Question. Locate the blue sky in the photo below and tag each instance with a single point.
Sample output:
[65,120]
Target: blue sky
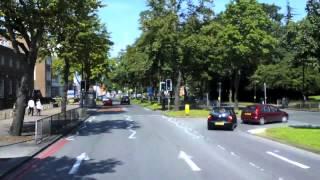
[122,18]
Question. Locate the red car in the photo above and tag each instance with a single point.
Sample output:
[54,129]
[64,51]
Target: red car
[263,113]
[107,101]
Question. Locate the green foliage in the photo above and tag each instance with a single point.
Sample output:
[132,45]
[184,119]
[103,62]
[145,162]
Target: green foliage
[304,138]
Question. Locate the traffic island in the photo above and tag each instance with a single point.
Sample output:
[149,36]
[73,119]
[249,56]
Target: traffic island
[304,138]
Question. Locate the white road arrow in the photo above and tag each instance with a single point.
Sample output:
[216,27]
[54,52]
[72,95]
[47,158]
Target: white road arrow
[187,159]
[70,138]
[77,164]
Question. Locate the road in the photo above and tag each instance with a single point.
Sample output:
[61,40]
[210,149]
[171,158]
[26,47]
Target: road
[134,143]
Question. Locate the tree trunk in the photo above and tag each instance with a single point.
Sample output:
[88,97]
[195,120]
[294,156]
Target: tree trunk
[64,101]
[177,91]
[236,87]
[230,91]
[26,86]
[22,94]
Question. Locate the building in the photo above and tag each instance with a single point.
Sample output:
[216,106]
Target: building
[43,76]
[11,72]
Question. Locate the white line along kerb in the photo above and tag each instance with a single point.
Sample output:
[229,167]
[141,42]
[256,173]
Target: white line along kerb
[187,159]
[288,160]
[77,164]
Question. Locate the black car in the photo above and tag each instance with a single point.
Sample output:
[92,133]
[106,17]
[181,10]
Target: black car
[222,117]
[125,100]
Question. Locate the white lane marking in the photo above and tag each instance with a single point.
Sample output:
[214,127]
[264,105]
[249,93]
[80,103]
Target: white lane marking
[288,160]
[132,135]
[280,178]
[257,131]
[130,126]
[252,164]
[77,164]
[146,109]
[128,118]
[187,159]
[70,138]
[221,147]
[234,154]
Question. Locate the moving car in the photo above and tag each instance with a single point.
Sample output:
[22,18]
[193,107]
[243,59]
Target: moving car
[263,113]
[222,117]
[125,100]
[107,101]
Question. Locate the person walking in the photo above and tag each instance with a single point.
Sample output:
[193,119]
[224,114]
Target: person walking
[31,106]
[39,107]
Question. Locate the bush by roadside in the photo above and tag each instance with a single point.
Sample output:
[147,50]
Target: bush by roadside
[304,138]
[150,105]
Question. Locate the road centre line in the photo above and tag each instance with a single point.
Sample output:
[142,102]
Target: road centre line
[288,160]
[234,154]
[252,164]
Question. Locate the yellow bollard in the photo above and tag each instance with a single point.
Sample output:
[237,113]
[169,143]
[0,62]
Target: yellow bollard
[187,109]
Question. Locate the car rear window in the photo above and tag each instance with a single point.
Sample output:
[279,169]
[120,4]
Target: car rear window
[222,110]
[250,109]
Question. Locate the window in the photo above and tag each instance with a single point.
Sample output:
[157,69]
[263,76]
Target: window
[1,87]
[10,62]
[2,60]
[273,109]
[10,87]
[266,109]
[18,64]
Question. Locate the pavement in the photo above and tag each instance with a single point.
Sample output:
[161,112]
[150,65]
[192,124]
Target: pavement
[129,142]
[16,150]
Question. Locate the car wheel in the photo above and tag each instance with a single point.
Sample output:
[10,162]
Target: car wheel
[284,119]
[262,121]
[244,122]
[233,127]
[209,127]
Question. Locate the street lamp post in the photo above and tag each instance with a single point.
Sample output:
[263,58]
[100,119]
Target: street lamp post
[219,90]
[265,92]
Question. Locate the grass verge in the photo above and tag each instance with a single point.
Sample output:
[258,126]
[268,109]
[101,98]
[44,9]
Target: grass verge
[193,113]
[304,138]
[317,98]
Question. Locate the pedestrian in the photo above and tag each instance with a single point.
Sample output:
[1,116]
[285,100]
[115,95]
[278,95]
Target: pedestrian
[39,107]
[31,106]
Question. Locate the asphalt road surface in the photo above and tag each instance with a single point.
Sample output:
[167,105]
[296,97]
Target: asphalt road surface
[129,142]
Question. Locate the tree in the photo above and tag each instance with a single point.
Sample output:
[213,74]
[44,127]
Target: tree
[245,38]
[313,10]
[25,23]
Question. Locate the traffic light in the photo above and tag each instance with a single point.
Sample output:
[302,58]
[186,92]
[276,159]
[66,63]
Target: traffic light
[162,86]
[168,85]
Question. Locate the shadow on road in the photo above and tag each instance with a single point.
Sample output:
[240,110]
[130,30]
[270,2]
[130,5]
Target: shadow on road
[106,126]
[52,168]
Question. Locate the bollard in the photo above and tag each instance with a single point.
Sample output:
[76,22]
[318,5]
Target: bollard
[187,109]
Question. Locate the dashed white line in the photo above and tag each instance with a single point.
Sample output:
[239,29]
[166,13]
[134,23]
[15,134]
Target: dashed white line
[221,147]
[252,164]
[77,164]
[234,154]
[288,160]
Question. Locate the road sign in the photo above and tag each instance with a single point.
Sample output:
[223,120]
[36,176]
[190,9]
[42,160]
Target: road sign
[168,85]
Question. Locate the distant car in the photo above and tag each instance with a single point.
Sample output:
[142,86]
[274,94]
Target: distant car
[222,117]
[125,100]
[107,101]
[263,113]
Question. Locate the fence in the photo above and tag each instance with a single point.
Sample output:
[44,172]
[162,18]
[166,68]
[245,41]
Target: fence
[306,106]
[58,123]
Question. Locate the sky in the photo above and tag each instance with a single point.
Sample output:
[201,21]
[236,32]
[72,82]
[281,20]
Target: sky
[121,18]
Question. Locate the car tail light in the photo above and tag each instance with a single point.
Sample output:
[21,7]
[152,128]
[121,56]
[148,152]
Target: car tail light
[210,117]
[230,118]
[256,113]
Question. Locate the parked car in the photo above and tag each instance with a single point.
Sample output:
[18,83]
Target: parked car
[263,113]
[222,117]
[107,101]
[125,100]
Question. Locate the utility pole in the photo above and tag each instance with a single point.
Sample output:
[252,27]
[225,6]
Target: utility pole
[265,93]
[219,90]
